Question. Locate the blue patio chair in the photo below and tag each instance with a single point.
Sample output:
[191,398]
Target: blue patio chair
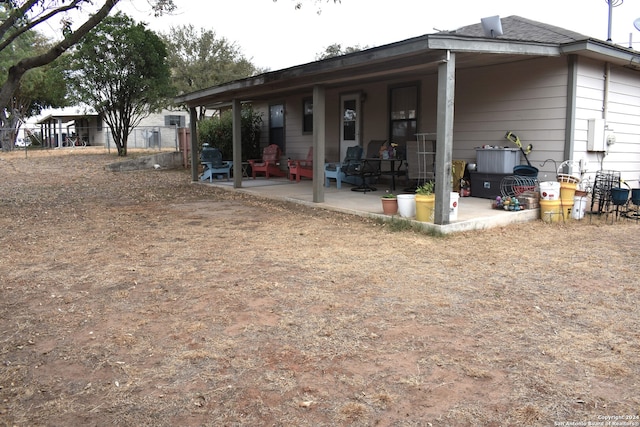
[211,159]
[340,171]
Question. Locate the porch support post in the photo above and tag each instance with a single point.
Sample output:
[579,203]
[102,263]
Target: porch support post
[237,143]
[193,125]
[318,143]
[60,140]
[444,138]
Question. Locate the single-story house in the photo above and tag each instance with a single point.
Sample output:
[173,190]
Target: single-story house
[65,126]
[570,96]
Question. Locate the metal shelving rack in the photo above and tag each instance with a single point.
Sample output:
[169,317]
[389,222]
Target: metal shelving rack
[421,157]
[601,196]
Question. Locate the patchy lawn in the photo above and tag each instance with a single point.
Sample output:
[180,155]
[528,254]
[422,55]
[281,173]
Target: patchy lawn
[142,299]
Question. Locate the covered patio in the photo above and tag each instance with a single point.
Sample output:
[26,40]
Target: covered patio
[529,80]
[437,55]
[61,129]
[473,213]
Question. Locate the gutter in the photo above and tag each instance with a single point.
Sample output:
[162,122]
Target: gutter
[606,52]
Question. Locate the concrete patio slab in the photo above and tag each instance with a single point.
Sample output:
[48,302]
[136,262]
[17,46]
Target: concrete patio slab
[473,213]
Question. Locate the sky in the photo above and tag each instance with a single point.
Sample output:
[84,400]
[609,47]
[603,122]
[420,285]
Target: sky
[273,35]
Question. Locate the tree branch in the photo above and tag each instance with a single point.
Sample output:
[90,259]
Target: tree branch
[23,29]
[17,71]
[15,15]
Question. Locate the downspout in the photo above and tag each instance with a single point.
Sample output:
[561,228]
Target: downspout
[570,121]
[605,107]
[605,100]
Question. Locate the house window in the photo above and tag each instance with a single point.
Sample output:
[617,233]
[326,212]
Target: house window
[276,126]
[403,113]
[174,120]
[307,115]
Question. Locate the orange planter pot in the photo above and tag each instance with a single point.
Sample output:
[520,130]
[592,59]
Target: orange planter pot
[389,206]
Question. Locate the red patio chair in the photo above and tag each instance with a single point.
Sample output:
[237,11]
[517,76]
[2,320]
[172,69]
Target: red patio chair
[301,168]
[269,164]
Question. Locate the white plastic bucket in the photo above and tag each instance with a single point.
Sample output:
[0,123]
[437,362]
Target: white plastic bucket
[549,190]
[407,205]
[453,206]
[579,207]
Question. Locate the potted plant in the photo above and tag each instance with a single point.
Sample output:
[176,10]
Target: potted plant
[425,202]
[389,204]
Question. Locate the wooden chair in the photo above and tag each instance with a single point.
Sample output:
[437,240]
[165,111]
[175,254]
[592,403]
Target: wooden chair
[211,159]
[269,164]
[301,168]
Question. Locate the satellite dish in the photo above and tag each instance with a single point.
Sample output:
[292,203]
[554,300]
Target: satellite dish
[636,24]
[492,26]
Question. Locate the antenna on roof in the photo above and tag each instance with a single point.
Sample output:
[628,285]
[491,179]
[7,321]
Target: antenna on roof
[636,24]
[612,4]
[492,26]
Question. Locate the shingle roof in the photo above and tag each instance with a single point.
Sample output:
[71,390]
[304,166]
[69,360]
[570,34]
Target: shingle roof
[522,29]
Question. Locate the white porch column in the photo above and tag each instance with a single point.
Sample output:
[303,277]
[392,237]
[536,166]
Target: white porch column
[318,143]
[60,140]
[237,143]
[444,139]
[193,117]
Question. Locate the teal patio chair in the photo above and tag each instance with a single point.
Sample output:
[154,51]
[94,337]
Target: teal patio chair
[211,159]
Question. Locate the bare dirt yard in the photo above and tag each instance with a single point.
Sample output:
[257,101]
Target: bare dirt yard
[142,299]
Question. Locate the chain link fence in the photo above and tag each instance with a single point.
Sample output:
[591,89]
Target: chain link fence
[161,138]
[148,137]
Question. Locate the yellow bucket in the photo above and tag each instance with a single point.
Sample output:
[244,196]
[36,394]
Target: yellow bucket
[551,210]
[424,207]
[566,207]
[568,190]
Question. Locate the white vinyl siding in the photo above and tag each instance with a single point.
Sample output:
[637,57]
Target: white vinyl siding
[622,116]
[527,98]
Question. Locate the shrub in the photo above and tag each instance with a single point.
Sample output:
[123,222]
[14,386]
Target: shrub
[218,132]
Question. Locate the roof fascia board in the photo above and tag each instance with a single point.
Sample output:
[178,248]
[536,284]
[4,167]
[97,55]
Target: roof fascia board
[366,57]
[237,85]
[600,49]
[495,46]
[64,118]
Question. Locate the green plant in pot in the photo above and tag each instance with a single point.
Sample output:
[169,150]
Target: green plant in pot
[426,189]
[389,203]
[425,202]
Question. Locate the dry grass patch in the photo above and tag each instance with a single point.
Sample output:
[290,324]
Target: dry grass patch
[142,299]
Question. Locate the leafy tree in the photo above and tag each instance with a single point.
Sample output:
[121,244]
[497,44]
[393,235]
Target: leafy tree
[120,69]
[335,49]
[199,60]
[21,16]
[217,131]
